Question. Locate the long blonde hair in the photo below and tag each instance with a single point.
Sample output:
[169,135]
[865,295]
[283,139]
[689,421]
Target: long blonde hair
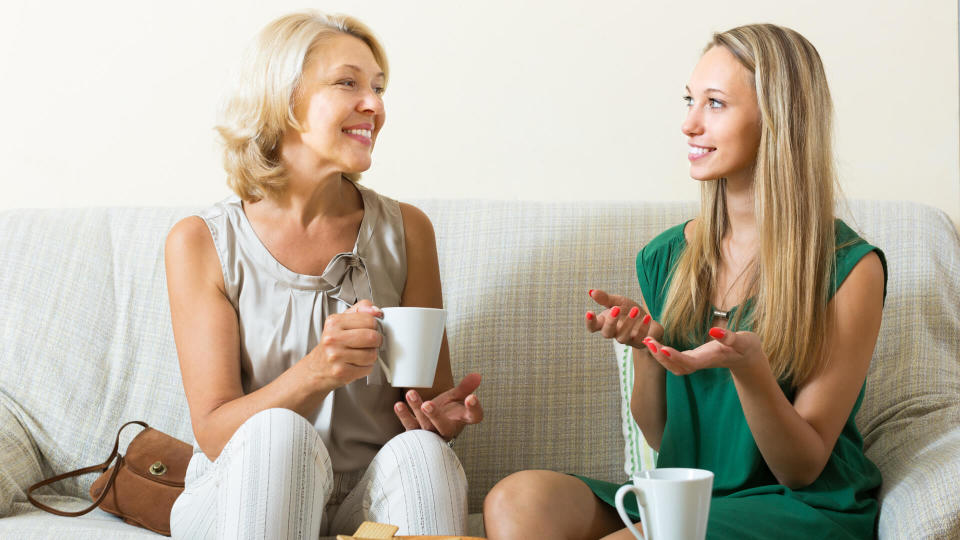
[794,182]
[260,109]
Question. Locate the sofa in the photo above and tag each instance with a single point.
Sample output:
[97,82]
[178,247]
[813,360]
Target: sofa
[86,345]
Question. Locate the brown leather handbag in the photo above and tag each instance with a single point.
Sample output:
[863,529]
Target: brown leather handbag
[141,486]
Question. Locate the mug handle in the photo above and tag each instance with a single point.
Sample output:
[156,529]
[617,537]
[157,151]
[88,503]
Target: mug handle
[383,363]
[641,504]
[383,346]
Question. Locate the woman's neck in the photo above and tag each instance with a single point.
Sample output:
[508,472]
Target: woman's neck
[303,202]
[313,191]
[741,235]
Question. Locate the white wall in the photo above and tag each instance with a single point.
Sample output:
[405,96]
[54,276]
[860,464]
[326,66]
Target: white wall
[113,102]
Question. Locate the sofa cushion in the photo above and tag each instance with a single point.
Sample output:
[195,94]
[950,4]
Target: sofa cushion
[86,344]
[637,454]
[910,413]
[85,331]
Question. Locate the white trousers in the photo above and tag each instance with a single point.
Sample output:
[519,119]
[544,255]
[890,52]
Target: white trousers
[274,479]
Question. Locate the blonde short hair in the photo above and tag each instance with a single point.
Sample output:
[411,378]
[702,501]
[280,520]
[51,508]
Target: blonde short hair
[260,108]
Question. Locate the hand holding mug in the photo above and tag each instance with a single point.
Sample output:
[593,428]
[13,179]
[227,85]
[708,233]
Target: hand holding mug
[348,346]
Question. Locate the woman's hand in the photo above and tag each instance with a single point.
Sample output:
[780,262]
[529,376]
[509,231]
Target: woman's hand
[446,414]
[732,350]
[624,320]
[348,347]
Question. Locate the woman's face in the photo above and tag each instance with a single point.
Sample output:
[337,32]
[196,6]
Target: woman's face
[723,119]
[339,105]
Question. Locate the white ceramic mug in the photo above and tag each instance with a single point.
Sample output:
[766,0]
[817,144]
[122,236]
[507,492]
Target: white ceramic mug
[673,503]
[411,345]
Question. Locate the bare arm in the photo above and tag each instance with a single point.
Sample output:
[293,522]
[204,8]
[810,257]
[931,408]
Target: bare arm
[207,335]
[423,287]
[629,323]
[444,408]
[648,402]
[796,439]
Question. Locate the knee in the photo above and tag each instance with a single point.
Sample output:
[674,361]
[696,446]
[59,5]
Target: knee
[277,419]
[418,437]
[280,428]
[420,449]
[420,444]
[278,432]
[524,491]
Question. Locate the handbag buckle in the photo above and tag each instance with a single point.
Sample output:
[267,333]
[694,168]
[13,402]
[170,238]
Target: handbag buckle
[158,468]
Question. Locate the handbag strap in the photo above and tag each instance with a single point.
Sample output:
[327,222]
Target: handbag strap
[93,468]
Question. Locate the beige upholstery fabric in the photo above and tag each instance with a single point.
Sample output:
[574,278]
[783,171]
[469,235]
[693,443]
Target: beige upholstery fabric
[911,412]
[515,279]
[85,344]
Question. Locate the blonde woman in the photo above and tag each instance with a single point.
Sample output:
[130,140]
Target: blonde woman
[755,325]
[274,295]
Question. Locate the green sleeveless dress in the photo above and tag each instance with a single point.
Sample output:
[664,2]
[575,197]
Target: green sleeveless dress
[706,429]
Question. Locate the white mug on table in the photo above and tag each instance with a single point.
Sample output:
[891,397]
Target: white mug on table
[673,503]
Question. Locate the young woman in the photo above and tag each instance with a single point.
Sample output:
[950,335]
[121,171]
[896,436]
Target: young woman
[274,295]
[755,324]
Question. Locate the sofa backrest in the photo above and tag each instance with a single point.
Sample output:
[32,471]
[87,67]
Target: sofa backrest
[515,280]
[85,337]
[86,344]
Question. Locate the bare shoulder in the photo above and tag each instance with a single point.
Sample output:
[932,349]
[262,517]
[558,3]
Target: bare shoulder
[689,228]
[189,248]
[189,231]
[864,283]
[416,225]
[423,267]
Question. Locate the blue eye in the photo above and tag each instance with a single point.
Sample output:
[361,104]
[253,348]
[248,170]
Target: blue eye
[688,101]
[379,90]
[715,104]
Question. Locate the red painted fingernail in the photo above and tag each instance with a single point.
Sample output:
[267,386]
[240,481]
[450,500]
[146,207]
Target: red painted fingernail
[652,347]
[634,311]
[589,315]
[615,311]
[646,319]
[646,339]
[590,293]
[717,333]
[665,353]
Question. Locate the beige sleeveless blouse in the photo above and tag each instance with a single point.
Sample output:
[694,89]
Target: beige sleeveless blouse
[281,315]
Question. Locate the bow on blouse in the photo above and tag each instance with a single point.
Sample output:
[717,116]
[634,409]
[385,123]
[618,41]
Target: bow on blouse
[345,273]
[350,271]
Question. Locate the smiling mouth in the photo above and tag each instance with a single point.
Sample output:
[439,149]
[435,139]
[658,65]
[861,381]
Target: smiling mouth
[368,133]
[699,150]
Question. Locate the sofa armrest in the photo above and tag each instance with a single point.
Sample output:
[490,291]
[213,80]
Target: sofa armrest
[919,496]
[20,465]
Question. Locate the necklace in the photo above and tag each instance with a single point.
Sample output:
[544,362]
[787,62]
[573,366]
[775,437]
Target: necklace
[717,314]
[725,315]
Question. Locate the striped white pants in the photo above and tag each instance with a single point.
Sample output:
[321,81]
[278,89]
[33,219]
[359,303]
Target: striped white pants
[273,479]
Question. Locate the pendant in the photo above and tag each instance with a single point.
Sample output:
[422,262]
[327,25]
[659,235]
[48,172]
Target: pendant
[721,314]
